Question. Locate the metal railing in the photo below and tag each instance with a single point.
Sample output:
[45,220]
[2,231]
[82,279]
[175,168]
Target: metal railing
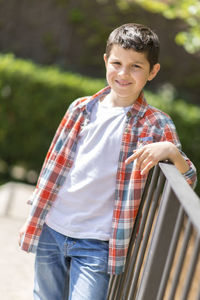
[163,259]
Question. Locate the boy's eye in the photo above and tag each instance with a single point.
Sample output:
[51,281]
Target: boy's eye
[137,66]
[116,63]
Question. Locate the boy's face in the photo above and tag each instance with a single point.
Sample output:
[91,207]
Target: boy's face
[127,72]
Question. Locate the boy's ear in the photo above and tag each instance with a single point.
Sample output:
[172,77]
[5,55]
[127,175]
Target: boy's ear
[154,71]
[105,58]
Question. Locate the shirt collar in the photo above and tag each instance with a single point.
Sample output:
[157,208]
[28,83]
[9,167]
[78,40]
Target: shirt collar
[138,108]
[88,104]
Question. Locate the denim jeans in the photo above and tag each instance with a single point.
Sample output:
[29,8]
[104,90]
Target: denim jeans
[69,268]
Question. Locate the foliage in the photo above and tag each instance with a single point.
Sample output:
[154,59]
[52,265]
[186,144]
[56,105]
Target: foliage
[187,10]
[33,100]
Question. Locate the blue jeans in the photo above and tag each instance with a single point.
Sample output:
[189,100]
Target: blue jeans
[69,268]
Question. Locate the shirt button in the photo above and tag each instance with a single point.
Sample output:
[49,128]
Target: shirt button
[126,130]
[128,114]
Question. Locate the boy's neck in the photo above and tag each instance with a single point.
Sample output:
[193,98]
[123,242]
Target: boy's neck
[114,100]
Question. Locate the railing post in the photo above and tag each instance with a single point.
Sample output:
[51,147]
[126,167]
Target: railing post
[159,247]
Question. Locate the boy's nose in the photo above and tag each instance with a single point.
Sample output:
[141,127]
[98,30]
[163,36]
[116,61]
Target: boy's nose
[123,71]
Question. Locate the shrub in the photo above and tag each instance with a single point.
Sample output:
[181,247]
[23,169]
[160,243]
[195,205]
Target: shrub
[33,101]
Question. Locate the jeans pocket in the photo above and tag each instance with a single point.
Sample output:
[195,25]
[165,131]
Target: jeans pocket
[47,250]
[95,255]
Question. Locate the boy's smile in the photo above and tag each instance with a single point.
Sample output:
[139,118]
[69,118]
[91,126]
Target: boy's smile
[127,72]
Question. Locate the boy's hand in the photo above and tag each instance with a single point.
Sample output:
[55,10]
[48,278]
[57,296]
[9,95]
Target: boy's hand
[149,155]
[21,233]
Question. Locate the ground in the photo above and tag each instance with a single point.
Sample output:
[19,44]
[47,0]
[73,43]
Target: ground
[16,266]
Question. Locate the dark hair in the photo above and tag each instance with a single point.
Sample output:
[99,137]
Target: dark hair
[137,37]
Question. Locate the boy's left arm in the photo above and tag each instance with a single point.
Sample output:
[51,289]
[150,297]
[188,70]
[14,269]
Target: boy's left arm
[149,155]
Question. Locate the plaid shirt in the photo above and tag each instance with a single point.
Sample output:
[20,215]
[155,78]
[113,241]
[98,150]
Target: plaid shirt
[144,124]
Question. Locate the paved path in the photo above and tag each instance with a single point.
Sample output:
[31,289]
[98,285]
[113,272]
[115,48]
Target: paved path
[16,266]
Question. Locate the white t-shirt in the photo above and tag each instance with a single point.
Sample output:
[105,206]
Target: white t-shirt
[85,202]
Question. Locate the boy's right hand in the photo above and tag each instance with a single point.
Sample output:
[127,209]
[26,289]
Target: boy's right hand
[21,232]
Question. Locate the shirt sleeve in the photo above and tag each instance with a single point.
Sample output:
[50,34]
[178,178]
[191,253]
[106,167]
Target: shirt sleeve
[191,177]
[53,143]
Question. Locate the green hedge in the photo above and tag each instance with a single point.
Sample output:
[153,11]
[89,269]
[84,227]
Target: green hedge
[33,99]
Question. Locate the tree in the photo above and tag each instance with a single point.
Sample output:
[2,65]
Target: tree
[186,10]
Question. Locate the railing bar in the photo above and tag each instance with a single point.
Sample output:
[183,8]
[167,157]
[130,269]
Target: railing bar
[146,236]
[198,294]
[119,288]
[111,287]
[180,261]
[115,287]
[171,254]
[130,262]
[144,215]
[191,270]
[146,198]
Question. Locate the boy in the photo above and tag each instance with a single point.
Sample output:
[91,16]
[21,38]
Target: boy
[90,186]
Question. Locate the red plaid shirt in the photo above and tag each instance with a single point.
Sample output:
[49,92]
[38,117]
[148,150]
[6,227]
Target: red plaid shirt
[144,124]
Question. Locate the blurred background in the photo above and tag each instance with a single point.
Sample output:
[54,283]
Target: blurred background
[51,52]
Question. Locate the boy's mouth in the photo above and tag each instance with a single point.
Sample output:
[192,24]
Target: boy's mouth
[123,83]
